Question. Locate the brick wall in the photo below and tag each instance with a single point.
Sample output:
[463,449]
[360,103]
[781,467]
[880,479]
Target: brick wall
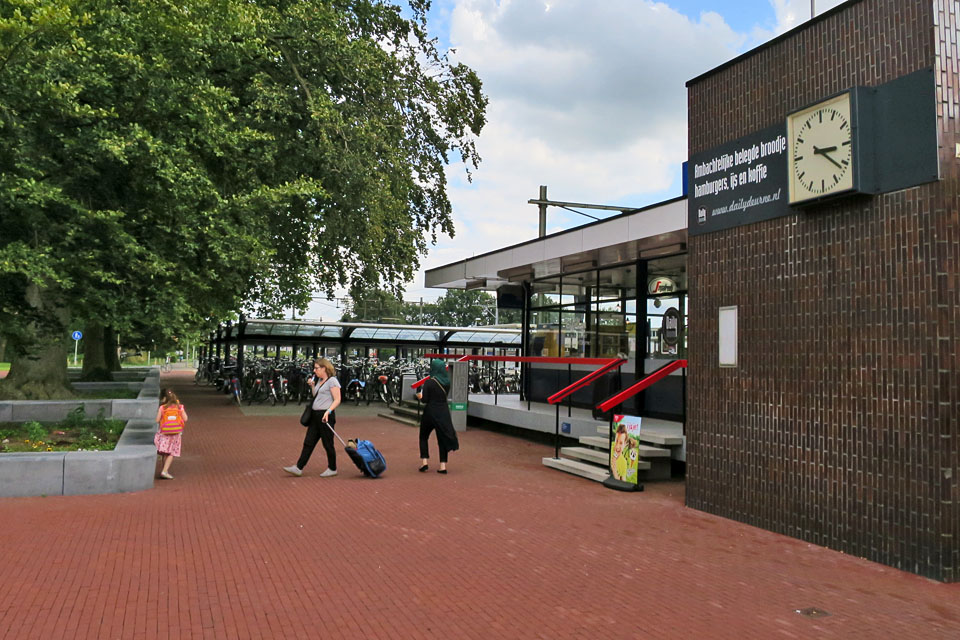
[840,424]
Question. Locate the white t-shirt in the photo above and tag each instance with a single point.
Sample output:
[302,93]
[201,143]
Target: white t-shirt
[322,395]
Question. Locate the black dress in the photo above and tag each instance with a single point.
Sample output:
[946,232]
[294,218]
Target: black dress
[436,416]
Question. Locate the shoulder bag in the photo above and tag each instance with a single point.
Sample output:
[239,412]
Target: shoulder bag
[308,410]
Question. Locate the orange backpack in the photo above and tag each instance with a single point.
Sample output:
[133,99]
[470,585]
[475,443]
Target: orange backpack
[171,421]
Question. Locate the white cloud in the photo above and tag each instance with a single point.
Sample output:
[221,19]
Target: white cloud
[586,97]
[791,13]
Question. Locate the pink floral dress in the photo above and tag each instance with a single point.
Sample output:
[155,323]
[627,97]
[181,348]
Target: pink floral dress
[168,443]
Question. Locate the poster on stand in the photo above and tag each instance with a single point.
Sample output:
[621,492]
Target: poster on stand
[625,448]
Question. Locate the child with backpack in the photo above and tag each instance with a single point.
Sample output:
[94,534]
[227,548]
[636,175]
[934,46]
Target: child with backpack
[171,416]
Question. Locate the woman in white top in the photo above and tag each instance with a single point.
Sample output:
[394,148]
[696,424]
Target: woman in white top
[325,389]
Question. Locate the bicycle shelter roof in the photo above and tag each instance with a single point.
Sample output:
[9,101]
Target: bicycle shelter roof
[274,331]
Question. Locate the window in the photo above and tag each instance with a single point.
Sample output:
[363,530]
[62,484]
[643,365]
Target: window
[588,314]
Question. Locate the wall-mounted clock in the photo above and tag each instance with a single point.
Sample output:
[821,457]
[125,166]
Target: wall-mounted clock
[822,150]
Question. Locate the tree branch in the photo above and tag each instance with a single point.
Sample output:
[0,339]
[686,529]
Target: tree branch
[293,67]
[17,46]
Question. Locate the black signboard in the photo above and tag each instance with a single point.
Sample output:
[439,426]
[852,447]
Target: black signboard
[671,326]
[739,182]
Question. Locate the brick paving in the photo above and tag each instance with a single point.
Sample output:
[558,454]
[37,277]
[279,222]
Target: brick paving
[502,547]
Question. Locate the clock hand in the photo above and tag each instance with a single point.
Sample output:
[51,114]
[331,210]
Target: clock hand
[838,165]
[825,152]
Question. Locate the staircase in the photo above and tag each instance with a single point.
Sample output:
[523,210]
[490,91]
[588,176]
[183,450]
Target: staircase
[402,413]
[591,459]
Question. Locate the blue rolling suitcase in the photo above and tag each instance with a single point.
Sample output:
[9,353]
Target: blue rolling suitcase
[366,456]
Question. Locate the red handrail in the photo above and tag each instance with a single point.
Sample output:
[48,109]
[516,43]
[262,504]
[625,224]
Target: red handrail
[586,380]
[532,359]
[639,386]
[419,383]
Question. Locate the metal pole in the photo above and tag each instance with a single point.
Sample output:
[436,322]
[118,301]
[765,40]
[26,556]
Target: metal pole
[543,210]
[556,438]
[76,344]
[609,442]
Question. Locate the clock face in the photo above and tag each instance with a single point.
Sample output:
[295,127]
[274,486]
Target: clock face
[821,153]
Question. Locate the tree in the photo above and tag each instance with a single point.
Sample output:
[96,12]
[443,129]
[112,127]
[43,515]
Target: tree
[163,164]
[376,306]
[462,308]
[455,308]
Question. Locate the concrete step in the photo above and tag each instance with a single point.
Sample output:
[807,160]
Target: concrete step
[595,456]
[645,451]
[650,437]
[577,468]
[400,418]
[409,412]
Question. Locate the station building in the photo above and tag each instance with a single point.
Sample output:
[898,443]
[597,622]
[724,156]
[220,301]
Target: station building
[810,276]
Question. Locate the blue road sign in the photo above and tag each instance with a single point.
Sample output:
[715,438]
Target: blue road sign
[77,335]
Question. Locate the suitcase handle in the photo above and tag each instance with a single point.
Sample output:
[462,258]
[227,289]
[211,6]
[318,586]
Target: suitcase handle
[336,434]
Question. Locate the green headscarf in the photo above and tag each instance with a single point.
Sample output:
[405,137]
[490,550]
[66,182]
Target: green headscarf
[438,371]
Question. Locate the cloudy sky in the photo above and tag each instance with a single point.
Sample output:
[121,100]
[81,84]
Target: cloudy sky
[586,97]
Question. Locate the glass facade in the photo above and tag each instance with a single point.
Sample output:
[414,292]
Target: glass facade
[595,313]
[666,298]
[591,314]
[637,311]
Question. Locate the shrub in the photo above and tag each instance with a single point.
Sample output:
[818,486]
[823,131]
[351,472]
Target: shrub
[35,431]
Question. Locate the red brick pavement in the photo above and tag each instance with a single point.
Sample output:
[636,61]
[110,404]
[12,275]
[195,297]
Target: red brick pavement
[500,548]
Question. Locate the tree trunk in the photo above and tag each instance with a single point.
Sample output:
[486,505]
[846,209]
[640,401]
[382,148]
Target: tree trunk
[110,355]
[3,347]
[94,362]
[38,364]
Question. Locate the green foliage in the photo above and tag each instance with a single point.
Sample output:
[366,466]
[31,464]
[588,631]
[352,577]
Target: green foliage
[462,308]
[76,418]
[75,432]
[456,308]
[35,431]
[379,306]
[164,164]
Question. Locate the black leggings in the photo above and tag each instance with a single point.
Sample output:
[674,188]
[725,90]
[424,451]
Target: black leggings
[318,431]
[425,444]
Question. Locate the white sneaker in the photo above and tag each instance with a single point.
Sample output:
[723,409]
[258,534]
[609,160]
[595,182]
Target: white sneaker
[329,473]
[165,475]
[293,470]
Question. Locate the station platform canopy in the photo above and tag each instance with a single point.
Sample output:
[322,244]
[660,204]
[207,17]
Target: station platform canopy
[272,331]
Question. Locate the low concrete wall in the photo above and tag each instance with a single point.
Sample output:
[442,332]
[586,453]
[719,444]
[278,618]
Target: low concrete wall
[143,408]
[129,467]
[31,474]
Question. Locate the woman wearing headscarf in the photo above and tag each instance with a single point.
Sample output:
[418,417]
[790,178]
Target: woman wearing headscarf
[436,416]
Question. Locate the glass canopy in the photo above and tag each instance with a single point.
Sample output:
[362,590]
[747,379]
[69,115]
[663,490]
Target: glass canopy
[262,330]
